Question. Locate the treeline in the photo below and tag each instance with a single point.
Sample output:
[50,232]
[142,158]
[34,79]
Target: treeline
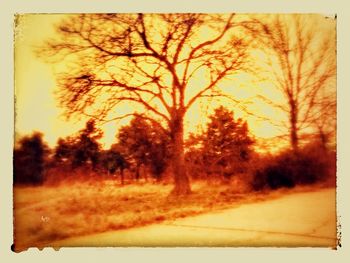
[143,150]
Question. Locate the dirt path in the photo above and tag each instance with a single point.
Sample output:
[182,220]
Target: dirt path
[299,219]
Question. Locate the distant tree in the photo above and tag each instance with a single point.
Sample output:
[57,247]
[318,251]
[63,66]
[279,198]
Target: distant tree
[225,145]
[30,156]
[81,149]
[301,51]
[112,160]
[145,144]
[87,146]
[326,122]
[64,151]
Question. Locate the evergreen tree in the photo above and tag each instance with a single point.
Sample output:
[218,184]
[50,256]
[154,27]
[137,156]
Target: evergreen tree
[87,147]
[82,149]
[29,160]
[112,160]
[145,145]
[64,151]
[225,146]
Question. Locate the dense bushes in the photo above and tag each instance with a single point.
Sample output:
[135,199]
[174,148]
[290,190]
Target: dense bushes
[309,166]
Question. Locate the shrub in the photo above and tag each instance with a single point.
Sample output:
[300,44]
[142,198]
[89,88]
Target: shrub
[309,166]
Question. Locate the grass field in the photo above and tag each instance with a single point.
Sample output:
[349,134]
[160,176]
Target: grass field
[49,213]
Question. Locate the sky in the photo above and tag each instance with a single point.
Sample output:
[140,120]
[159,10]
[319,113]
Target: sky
[37,109]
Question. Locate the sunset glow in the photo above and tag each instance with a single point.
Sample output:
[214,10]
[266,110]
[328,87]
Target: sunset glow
[37,110]
[125,124]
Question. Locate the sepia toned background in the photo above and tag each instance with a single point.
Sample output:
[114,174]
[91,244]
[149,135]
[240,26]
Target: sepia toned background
[204,251]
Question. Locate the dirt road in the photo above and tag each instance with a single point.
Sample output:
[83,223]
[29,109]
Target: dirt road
[295,220]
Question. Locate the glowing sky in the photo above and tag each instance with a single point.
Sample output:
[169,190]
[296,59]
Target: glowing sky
[36,108]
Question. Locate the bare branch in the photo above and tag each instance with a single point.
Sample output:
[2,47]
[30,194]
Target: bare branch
[306,65]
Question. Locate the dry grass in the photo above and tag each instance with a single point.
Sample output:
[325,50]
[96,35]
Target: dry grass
[49,213]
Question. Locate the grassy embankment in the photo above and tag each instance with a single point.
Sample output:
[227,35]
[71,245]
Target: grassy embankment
[49,213]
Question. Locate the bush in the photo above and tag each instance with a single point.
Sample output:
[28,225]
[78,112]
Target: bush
[309,166]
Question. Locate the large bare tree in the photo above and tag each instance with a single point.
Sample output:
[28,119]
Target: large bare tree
[153,61]
[302,57]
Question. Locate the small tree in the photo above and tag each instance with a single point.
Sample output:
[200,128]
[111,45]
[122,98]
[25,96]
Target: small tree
[87,147]
[111,161]
[301,52]
[145,144]
[30,155]
[64,151]
[81,149]
[226,144]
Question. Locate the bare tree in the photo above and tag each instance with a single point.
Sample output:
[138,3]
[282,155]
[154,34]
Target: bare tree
[149,60]
[325,122]
[302,57]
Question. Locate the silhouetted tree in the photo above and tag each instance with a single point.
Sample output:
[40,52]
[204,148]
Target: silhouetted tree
[87,147]
[81,149]
[29,159]
[145,144]
[111,161]
[64,151]
[302,57]
[225,145]
[149,60]
[326,122]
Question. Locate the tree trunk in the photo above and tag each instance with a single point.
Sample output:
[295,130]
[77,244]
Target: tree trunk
[323,139]
[122,176]
[294,140]
[181,180]
[137,174]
